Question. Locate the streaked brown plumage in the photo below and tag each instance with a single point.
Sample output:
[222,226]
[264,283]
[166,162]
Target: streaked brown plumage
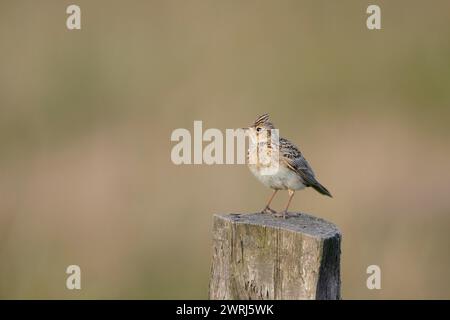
[293,171]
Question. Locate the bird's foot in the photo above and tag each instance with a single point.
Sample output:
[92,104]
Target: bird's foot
[267,209]
[282,214]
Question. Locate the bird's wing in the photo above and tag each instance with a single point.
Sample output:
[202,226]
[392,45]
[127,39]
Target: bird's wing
[302,167]
[295,161]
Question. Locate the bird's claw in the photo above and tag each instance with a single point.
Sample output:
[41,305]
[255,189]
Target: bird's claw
[268,210]
[282,214]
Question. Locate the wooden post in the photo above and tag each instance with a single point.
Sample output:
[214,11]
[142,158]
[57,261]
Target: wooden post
[259,256]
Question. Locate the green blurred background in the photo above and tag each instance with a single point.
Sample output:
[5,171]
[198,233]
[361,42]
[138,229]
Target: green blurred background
[86,117]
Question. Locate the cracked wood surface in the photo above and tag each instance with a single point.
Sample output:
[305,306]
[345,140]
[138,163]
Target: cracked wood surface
[258,256]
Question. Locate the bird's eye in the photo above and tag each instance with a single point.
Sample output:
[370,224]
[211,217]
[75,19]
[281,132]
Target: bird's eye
[258,129]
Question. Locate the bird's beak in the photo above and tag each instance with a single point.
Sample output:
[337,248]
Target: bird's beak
[245,128]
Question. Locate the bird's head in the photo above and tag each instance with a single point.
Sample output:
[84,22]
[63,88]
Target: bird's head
[259,131]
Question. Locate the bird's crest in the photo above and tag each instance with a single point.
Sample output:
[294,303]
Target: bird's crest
[262,119]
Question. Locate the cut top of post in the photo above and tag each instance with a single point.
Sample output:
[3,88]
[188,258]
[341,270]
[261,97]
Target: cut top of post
[296,222]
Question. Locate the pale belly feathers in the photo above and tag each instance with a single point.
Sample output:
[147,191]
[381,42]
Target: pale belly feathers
[281,179]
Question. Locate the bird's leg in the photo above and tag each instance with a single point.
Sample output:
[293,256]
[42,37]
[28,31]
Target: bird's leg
[267,207]
[284,213]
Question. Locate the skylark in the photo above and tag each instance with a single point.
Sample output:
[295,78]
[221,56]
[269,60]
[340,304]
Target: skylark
[290,170]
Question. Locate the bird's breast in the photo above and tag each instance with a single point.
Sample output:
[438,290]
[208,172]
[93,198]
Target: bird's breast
[279,177]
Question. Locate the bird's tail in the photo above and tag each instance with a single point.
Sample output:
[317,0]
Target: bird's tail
[321,189]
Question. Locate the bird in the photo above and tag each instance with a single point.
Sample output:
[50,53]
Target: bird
[278,163]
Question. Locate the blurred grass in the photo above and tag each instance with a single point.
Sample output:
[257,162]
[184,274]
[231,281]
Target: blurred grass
[86,118]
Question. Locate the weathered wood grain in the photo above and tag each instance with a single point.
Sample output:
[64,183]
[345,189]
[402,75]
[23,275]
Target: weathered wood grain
[259,256]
